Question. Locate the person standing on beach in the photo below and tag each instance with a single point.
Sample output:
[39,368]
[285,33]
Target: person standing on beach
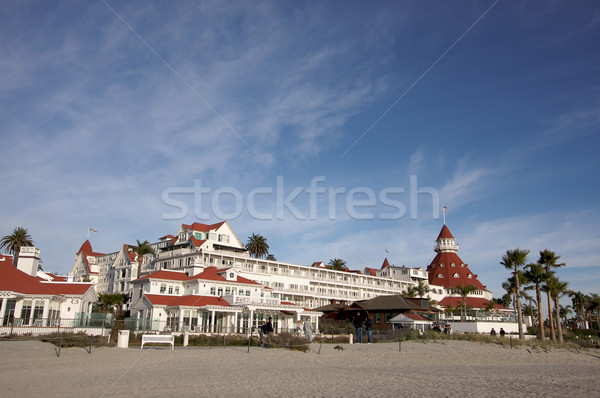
[269,326]
[502,332]
[308,331]
[369,328]
[358,325]
[299,328]
[493,332]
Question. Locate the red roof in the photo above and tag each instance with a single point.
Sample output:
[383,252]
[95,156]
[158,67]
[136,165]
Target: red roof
[56,278]
[203,227]
[15,280]
[474,302]
[416,317]
[448,270]
[212,274]
[385,263]
[445,233]
[197,242]
[86,249]
[371,271]
[187,301]
[167,275]
[209,273]
[69,288]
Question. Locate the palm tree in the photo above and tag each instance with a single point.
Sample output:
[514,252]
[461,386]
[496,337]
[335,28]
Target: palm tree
[141,250]
[337,264]
[565,310]
[549,260]
[257,246]
[556,289]
[411,292]
[578,301]
[112,301]
[421,289]
[464,292]
[536,275]
[13,243]
[594,307]
[515,260]
[271,257]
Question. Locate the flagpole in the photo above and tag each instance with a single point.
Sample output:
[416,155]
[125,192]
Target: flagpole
[444,208]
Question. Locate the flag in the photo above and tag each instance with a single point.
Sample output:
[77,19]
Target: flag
[386,251]
[444,208]
[93,230]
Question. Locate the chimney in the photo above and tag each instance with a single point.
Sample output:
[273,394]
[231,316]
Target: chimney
[29,259]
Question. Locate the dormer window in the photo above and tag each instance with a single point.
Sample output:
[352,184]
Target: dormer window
[442,265]
[455,275]
[469,276]
[231,275]
[440,276]
[462,265]
[452,265]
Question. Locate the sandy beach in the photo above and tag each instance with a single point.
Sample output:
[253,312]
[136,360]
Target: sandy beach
[441,369]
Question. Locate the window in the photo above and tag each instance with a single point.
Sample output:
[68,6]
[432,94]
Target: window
[176,289]
[220,291]
[452,265]
[38,310]
[455,275]
[163,288]
[440,275]
[9,312]
[213,291]
[378,318]
[388,316]
[469,276]
[26,311]
[442,265]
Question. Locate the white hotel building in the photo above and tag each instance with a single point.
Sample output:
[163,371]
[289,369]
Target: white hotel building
[198,247]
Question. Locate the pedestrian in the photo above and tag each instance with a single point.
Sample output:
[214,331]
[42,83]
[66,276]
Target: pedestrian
[308,331]
[299,328]
[269,326]
[261,329]
[369,328]
[493,332]
[358,326]
[502,332]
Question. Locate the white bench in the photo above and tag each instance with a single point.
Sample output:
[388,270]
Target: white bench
[158,339]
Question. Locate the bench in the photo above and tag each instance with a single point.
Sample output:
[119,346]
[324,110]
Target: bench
[158,339]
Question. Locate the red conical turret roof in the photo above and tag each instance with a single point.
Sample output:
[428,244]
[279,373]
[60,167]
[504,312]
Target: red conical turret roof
[445,233]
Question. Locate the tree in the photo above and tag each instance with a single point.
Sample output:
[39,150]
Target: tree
[13,243]
[112,301]
[257,246]
[565,310]
[271,257]
[464,292]
[411,292]
[549,260]
[337,264]
[141,250]
[578,301]
[556,289]
[593,305]
[536,275]
[515,260]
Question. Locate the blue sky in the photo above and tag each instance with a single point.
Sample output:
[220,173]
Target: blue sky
[113,114]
